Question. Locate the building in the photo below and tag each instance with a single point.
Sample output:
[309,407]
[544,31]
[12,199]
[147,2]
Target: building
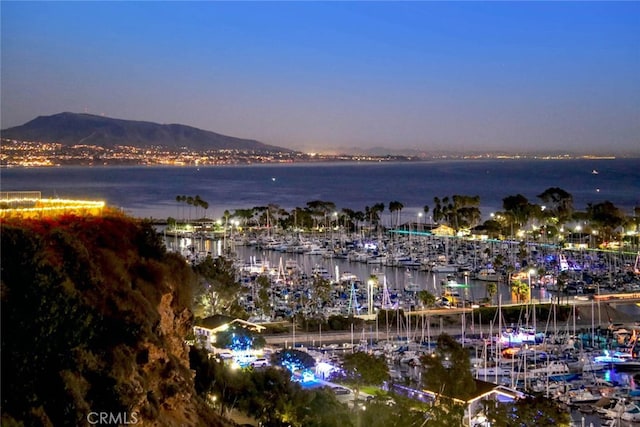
[206,330]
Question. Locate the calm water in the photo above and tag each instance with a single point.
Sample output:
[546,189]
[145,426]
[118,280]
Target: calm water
[151,191]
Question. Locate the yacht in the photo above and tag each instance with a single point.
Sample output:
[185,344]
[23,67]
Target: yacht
[488,275]
[348,277]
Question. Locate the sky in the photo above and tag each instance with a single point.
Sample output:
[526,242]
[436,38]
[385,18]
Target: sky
[461,76]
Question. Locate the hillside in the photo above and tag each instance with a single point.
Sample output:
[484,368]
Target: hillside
[71,129]
[94,316]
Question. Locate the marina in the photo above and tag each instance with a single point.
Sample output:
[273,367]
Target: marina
[588,361]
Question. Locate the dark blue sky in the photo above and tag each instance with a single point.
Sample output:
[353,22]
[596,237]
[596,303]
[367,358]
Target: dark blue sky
[428,75]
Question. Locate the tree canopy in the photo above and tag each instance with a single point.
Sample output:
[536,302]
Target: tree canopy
[448,370]
[360,369]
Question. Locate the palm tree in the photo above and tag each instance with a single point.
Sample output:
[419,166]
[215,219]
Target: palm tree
[178,201]
[190,203]
[446,209]
[427,299]
[492,289]
[561,283]
[425,209]
[520,289]
[518,210]
[197,202]
[359,217]
[437,209]
[351,215]
[205,206]
[322,209]
[374,214]
[395,206]
[181,199]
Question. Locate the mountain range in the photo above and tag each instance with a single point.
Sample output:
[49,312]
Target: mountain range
[88,129]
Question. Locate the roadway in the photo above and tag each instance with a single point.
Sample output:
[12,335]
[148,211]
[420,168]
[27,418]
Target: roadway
[588,318]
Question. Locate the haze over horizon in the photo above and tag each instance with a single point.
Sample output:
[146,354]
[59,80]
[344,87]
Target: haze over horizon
[474,76]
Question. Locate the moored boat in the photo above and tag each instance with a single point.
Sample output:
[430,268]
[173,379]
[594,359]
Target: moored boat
[488,275]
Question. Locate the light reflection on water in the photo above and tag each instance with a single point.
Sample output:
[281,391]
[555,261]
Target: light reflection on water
[396,277]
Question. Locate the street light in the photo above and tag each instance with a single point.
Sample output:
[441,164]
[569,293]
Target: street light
[419,221]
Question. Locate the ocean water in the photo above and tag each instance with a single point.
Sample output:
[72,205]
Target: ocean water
[151,191]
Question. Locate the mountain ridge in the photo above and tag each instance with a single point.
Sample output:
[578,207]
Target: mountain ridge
[69,128]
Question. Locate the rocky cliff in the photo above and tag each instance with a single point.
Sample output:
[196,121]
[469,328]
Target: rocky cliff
[94,317]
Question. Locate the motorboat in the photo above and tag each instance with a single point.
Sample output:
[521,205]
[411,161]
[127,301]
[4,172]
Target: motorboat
[488,275]
[492,372]
[348,277]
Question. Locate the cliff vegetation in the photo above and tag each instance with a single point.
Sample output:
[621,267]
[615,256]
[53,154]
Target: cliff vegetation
[94,315]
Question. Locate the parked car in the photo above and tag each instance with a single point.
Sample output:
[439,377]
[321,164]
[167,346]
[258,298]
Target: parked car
[341,390]
[260,362]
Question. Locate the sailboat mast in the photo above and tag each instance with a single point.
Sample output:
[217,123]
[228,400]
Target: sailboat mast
[498,353]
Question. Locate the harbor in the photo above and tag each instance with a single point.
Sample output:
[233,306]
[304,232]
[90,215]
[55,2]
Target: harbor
[582,352]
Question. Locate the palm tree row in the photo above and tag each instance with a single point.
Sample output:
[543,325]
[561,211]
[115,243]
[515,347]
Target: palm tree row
[545,220]
[191,201]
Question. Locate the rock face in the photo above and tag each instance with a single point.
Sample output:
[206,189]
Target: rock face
[94,319]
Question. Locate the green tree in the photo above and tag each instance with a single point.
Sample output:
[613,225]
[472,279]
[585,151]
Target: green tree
[562,280]
[427,298]
[466,211]
[359,218]
[520,289]
[527,411]
[448,370]
[492,289]
[517,209]
[445,413]
[459,211]
[493,228]
[437,209]
[373,214]
[605,217]
[244,216]
[293,359]
[558,202]
[320,408]
[321,291]
[321,210]
[269,396]
[190,203]
[218,292]
[263,302]
[393,410]
[238,338]
[362,369]
[396,207]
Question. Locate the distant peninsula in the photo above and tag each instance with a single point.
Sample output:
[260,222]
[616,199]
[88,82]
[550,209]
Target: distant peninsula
[91,140]
[70,129]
